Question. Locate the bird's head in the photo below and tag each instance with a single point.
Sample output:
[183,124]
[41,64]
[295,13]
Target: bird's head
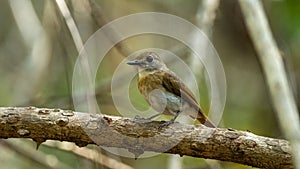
[148,61]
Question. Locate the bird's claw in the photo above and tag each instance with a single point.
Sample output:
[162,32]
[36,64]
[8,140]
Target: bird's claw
[165,124]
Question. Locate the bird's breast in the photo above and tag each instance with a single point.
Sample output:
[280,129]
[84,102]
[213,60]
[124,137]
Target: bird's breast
[151,88]
[149,82]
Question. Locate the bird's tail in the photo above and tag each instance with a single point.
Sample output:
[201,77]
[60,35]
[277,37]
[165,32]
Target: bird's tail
[204,120]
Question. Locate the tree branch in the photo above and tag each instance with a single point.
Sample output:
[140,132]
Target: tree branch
[43,124]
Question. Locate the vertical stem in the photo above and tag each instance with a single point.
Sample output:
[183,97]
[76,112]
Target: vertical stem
[273,67]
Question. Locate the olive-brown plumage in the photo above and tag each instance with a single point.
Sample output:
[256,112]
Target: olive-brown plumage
[164,91]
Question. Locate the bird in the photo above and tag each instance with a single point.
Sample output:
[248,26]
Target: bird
[164,90]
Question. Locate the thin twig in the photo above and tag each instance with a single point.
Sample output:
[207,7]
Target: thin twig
[32,155]
[70,23]
[205,18]
[88,153]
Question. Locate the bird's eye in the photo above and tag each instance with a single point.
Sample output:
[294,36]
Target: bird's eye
[149,58]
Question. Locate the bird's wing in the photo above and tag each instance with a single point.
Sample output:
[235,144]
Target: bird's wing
[174,85]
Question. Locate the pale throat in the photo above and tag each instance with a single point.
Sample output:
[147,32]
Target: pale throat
[144,72]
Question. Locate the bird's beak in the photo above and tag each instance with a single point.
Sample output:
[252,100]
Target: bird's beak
[134,62]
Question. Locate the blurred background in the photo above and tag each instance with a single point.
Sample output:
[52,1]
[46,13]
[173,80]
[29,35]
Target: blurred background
[38,52]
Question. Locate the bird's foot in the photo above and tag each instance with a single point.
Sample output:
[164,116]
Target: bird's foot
[167,123]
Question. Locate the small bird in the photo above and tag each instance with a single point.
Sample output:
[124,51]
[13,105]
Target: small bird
[164,90]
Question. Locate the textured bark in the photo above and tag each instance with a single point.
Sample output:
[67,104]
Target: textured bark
[137,136]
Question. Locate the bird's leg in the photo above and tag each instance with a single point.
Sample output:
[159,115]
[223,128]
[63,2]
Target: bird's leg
[155,115]
[171,121]
[137,117]
[141,119]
